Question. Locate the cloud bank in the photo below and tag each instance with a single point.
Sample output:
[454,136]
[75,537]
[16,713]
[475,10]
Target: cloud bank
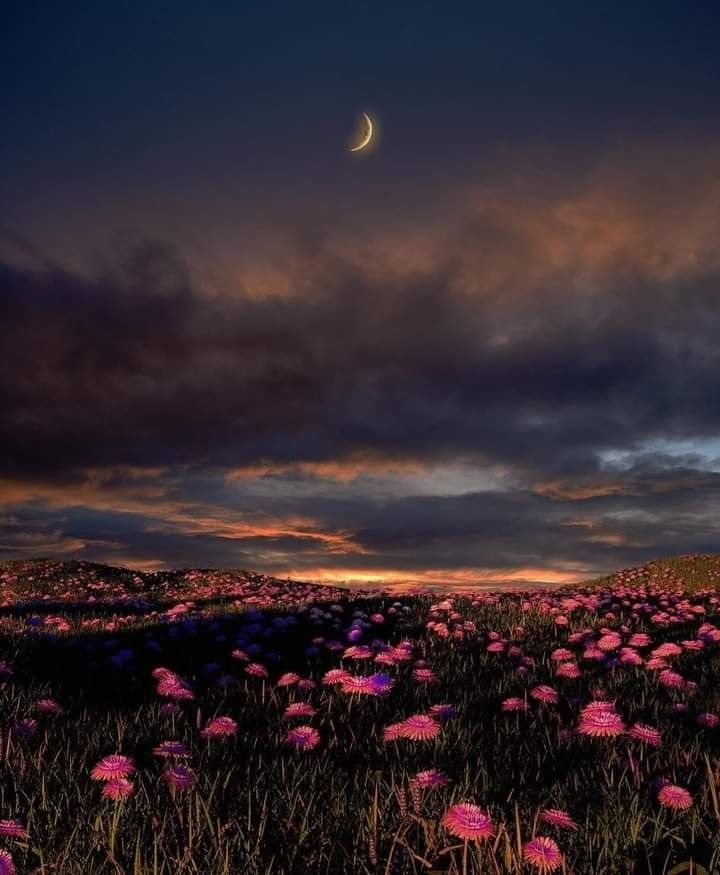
[526,386]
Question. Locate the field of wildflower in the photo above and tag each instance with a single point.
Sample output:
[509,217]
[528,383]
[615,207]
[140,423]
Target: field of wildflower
[223,722]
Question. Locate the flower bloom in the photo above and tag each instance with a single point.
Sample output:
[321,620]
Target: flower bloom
[288,679]
[568,670]
[514,703]
[666,649]
[646,734]
[542,853]
[639,639]
[596,707]
[544,693]
[420,727]
[467,821]
[48,706]
[558,817]
[179,777]
[174,688]
[357,651]
[303,737]
[26,728]
[299,709]
[118,788]
[220,726]
[381,684]
[172,749]
[256,669]
[364,685]
[12,829]
[672,796]
[361,685]
[335,676]
[393,732]
[601,723]
[709,720]
[306,684]
[609,642]
[430,778]
[169,709]
[7,867]
[112,768]
[443,712]
[670,678]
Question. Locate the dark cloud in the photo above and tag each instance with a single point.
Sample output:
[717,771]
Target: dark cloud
[547,337]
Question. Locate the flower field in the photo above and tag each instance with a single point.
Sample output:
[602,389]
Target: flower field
[220,723]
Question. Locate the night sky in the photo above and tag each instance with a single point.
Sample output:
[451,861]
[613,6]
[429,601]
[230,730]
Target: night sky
[487,348]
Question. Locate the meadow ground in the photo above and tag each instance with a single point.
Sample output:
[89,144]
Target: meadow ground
[218,722]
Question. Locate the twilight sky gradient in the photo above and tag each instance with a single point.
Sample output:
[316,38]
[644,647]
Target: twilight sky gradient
[489,350]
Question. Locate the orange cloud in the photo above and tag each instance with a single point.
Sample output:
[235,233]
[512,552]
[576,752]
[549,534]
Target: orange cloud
[453,578]
[148,497]
[338,470]
[581,490]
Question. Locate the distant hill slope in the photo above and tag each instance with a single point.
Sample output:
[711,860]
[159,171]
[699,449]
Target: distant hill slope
[87,582]
[692,571]
[80,580]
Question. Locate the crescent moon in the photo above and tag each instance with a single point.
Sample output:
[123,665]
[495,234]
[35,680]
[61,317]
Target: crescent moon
[366,136]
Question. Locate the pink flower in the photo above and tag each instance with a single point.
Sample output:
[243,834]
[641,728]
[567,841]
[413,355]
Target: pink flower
[424,675]
[467,821]
[558,817]
[335,676]
[639,639]
[514,703]
[666,649]
[256,669]
[430,778]
[112,768]
[299,709]
[26,728]
[7,867]
[646,734]
[220,726]
[601,724]
[357,651]
[544,693]
[596,707]
[568,670]
[672,796]
[609,642]
[306,684]
[118,788]
[669,678]
[48,706]
[288,679]
[420,727]
[709,720]
[542,853]
[393,732]
[303,737]
[12,829]
[174,688]
[179,777]
[443,712]
[360,685]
